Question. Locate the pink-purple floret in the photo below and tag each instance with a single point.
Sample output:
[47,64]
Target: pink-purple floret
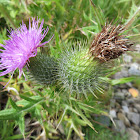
[22,45]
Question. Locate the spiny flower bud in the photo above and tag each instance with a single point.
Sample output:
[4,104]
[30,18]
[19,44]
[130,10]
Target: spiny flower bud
[81,75]
[72,72]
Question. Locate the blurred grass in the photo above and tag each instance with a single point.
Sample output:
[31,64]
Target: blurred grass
[68,17]
[104,134]
[68,20]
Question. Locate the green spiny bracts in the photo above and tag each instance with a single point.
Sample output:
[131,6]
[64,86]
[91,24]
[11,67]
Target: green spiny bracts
[81,75]
[72,72]
[43,69]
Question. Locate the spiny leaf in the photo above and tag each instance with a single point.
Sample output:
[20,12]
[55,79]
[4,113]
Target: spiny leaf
[14,105]
[15,137]
[8,114]
[15,112]
[38,115]
[122,80]
[77,130]
[21,124]
[29,99]
[71,109]
[71,124]
[84,118]
[62,116]
[79,121]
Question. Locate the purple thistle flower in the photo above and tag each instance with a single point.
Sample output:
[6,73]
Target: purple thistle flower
[22,45]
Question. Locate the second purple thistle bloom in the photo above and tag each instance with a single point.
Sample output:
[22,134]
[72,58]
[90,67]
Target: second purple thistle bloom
[22,45]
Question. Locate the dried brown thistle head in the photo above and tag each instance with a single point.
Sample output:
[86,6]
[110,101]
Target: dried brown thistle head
[110,43]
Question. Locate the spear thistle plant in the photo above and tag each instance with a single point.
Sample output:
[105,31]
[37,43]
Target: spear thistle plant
[78,72]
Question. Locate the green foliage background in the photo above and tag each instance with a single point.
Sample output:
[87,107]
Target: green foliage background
[59,116]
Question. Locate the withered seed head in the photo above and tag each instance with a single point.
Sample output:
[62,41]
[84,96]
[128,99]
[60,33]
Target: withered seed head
[110,43]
